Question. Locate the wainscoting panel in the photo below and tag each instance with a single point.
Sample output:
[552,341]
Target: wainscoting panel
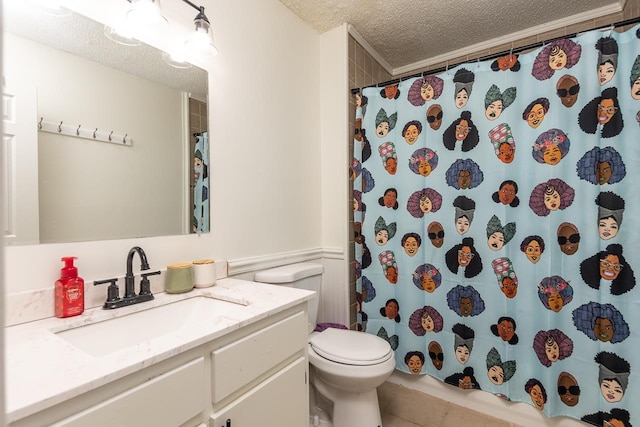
[334,302]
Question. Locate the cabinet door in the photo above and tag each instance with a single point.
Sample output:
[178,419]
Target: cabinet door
[166,401]
[281,400]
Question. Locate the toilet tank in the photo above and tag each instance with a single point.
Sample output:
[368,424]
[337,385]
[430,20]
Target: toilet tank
[304,275]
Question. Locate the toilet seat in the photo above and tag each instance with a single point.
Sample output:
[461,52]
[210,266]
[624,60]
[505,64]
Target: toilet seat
[350,347]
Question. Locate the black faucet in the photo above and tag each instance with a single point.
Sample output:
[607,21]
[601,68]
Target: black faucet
[129,283]
[130,297]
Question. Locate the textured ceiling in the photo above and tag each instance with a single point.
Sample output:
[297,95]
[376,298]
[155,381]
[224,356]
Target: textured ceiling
[404,32]
[83,37]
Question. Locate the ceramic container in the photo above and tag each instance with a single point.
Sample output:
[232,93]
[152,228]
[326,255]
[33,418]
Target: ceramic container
[179,278]
[204,273]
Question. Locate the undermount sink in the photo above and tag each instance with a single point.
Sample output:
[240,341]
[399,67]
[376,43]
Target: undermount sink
[117,333]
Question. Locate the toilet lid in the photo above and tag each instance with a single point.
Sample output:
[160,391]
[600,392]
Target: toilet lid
[350,347]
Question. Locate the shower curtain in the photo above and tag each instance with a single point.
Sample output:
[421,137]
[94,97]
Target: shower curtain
[200,220]
[495,225]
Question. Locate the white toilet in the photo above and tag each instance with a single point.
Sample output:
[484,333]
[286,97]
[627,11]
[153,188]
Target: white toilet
[346,367]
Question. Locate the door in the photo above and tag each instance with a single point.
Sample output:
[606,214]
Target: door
[20,162]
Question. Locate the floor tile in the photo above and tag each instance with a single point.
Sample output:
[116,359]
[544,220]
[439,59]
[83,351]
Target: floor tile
[389,420]
[459,416]
[414,406]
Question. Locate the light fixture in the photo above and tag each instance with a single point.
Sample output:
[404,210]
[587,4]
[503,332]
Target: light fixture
[201,40]
[199,44]
[146,14]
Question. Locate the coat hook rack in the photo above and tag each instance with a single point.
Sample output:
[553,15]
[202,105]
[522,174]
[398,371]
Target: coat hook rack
[84,132]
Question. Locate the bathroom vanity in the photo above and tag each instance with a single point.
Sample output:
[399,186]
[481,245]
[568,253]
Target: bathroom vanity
[231,355]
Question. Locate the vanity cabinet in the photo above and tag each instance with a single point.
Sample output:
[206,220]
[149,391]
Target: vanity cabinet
[255,375]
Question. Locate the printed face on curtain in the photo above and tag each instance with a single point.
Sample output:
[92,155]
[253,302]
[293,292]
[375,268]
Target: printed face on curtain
[496,218]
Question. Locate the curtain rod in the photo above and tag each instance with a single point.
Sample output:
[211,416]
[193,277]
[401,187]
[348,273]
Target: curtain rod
[496,55]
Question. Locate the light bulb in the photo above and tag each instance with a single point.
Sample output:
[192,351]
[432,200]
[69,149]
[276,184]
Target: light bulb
[201,41]
[146,13]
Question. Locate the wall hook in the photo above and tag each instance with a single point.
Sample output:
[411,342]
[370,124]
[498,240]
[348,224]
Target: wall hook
[78,130]
[94,133]
[110,136]
[40,123]
[60,128]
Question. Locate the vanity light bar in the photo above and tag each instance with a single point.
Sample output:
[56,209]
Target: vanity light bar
[85,133]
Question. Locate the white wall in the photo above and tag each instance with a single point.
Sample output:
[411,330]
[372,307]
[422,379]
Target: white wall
[336,194]
[265,130]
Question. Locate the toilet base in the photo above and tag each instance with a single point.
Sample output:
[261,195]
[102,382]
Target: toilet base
[351,409]
[359,409]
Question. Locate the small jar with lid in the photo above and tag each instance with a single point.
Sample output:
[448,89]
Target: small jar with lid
[179,278]
[204,273]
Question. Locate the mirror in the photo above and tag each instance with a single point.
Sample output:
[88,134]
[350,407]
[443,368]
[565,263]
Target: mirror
[101,138]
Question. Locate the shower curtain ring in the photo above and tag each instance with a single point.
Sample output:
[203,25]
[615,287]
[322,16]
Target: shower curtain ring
[40,123]
[124,138]
[110,136]
[78,130]
[60,127]
[94,133]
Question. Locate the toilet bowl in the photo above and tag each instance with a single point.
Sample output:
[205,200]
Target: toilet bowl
[345,367]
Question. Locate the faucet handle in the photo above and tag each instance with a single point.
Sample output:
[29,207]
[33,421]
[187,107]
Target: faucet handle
[145,285]
[153,273]
[113,293]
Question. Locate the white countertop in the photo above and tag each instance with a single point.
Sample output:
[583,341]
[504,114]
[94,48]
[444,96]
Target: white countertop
[43,369]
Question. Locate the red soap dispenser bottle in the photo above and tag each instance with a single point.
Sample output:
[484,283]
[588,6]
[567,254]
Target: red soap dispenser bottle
[69,291]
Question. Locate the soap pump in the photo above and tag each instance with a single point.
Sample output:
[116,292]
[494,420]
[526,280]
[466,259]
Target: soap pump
[69,290]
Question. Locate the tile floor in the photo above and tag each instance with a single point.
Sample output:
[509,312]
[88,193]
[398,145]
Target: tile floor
[404,407]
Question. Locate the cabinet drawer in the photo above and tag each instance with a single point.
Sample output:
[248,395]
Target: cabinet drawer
[281,400]
[168,400]
[239,363]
